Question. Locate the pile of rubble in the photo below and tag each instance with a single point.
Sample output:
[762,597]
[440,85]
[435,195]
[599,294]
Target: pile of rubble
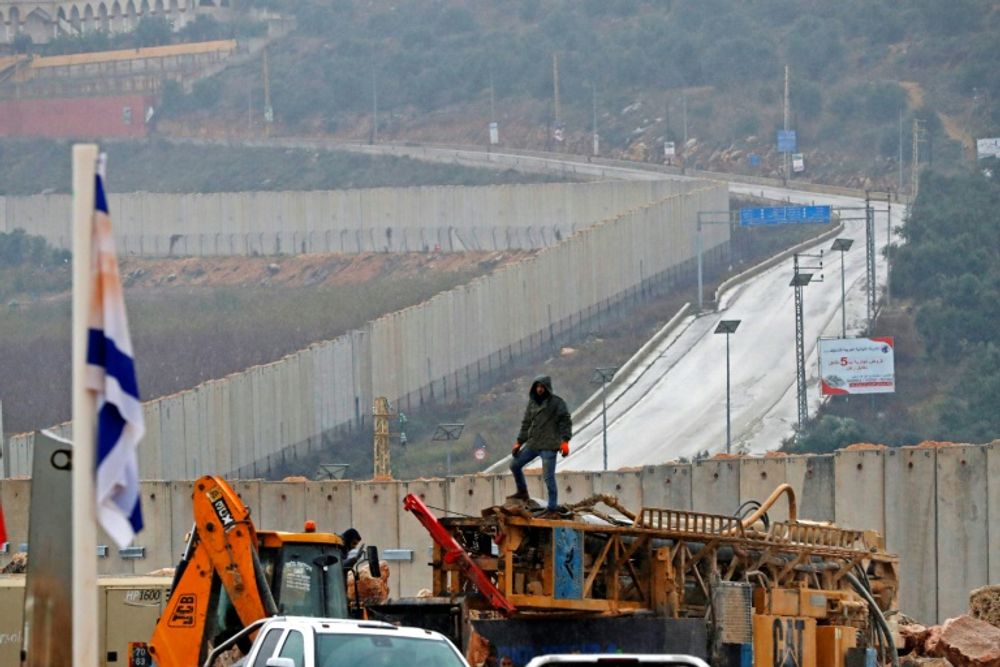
[970,640]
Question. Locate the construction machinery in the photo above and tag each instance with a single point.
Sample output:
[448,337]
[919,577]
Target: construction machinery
[735,590]
[232,574]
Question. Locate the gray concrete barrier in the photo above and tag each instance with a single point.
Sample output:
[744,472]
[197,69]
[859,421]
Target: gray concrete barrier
[251,423]
[934,506]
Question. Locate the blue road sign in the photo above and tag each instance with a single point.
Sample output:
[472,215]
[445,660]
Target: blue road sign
[785,215]
[753,159]
[786,141]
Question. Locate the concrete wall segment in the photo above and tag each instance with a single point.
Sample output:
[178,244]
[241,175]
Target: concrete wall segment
[282,506]
[759,477]
[715,486]
[962,539]
[911,527]
[812,477]
[375,513]
[415,575]
[859,494]
[667,486]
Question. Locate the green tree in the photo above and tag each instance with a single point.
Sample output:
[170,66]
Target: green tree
[153,31]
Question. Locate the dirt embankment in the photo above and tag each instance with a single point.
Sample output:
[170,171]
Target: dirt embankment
[303,270]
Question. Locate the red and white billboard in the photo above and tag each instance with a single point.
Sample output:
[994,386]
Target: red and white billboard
[857,366]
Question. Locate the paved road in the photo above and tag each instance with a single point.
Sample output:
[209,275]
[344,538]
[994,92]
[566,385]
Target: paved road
[675,403]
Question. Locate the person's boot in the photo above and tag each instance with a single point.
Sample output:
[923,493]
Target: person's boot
[520,495]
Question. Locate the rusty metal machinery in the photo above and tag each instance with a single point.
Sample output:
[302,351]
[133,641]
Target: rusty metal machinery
[793,582]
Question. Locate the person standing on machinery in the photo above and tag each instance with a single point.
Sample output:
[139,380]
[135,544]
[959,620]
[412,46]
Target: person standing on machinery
[545,430]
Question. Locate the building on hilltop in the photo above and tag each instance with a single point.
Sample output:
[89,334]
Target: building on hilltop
[44,20]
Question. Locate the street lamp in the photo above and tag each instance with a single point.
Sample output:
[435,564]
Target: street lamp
[448,433]
[842,245]
[603,376]
[727,327]
[702,219]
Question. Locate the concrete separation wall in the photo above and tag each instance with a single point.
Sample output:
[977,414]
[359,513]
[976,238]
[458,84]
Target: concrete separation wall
[445,218]
[250,423]
[932,504]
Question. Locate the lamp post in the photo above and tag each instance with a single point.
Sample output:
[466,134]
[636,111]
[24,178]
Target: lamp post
[702,220]
[842,245]
[448,433]
[727,327]
[603,376]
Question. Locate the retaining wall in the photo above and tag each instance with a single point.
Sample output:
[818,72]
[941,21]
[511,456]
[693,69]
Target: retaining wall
[448,218]
[250,423]
[934,506]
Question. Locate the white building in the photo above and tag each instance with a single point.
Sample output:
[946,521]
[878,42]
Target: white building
[43,20]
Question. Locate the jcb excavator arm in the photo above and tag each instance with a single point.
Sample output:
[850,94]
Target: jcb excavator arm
[223,544]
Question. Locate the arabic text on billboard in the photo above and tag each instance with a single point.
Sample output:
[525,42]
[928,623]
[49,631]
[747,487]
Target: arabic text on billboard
[857,366]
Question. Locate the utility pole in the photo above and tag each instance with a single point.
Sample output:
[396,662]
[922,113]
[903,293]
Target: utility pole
[374,135]
[784,155]
[603,376]
[870,251]
[870,290]
[800,280]
[918,136]
[899,189]
[493,100]
[557,112]
[597,144]
[268,109]
[684,114]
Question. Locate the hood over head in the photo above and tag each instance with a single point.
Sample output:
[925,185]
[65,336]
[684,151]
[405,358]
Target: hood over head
[545,381]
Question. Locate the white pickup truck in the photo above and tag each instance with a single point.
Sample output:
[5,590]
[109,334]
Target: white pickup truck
[292,641]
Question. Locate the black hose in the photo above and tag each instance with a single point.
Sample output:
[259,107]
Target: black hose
[749,507]
[876,613]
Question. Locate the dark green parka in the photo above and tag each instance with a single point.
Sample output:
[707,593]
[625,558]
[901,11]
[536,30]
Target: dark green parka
[547,422]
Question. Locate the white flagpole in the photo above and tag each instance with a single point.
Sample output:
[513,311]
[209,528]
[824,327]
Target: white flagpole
[84,418]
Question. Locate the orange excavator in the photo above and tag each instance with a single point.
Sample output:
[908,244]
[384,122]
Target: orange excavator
[232,574]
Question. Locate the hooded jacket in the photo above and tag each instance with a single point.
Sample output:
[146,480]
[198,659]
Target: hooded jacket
[546,423]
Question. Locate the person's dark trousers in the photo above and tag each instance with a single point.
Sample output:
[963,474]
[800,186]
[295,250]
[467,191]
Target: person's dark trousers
[525,456]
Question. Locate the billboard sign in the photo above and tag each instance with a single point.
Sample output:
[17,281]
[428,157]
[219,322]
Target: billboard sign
[786,141]
[988,148]
[785,215]
[857,366]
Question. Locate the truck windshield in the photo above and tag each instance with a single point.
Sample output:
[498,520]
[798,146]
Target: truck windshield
[380,650]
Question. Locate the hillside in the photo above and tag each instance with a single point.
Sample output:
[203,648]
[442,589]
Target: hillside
[650,70]
[195,319]
[41,166]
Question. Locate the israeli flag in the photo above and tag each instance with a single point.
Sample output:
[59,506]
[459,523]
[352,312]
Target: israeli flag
[111,375]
